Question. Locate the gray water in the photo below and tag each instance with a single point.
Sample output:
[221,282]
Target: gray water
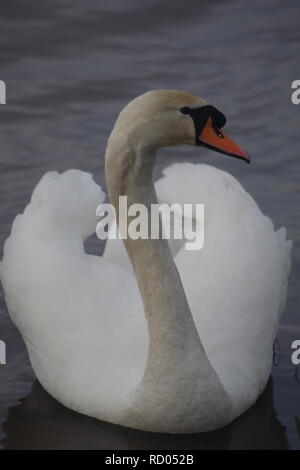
[70,66]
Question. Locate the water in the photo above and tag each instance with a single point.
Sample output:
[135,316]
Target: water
[70,67]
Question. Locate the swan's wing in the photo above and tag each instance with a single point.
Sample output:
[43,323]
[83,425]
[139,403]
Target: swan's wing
[80,316]
[236,285]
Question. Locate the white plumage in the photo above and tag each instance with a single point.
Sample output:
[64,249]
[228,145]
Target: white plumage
[82,317]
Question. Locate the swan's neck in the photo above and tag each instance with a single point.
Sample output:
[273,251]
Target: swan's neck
[177,363]
[172,332]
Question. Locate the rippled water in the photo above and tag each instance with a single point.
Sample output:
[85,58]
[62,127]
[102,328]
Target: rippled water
[70,66]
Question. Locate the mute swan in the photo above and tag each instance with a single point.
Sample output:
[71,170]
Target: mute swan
[166,353]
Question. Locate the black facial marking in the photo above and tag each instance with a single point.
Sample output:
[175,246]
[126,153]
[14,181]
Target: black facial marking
[185,110]
[201,115]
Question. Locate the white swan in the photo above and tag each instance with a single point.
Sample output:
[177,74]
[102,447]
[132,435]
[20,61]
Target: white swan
[204,354]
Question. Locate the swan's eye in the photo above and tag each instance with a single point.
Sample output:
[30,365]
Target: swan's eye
[218,133]
[185,110]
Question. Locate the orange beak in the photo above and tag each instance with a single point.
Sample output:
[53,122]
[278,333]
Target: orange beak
[217,140]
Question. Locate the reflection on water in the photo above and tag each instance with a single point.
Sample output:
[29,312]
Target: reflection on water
[40,422]
[70,66]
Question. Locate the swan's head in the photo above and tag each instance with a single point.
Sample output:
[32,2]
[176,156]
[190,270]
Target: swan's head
[163,118]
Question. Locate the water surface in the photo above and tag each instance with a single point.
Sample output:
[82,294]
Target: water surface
[70,67]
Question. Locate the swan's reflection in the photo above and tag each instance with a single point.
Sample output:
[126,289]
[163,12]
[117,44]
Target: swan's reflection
[40,422]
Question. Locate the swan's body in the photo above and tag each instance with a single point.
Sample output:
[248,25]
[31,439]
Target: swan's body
[83,319]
